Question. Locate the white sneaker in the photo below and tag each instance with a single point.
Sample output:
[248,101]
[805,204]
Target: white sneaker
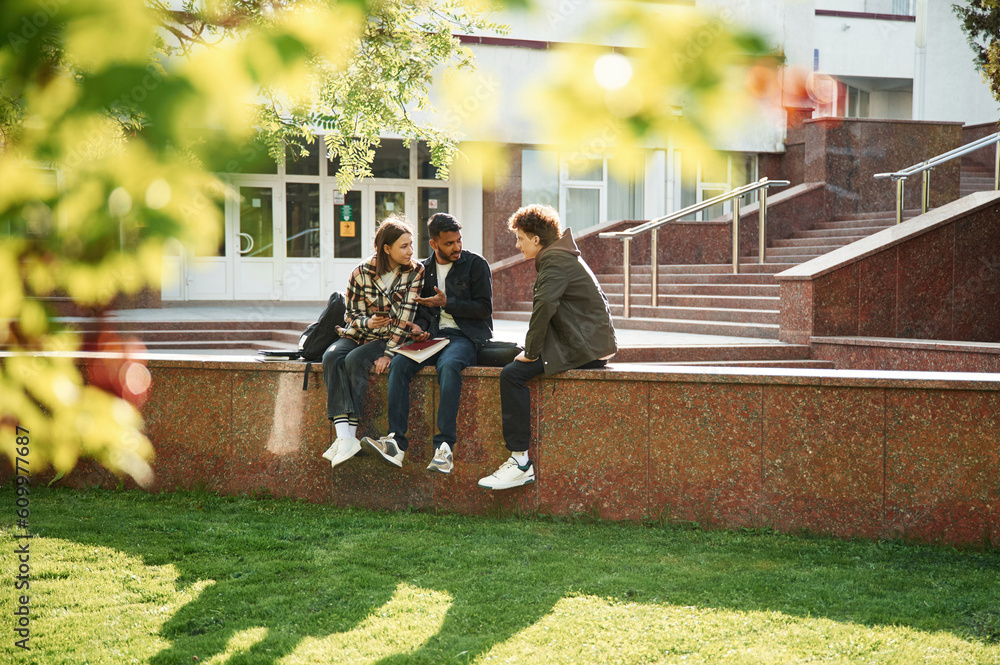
[442,461]
[385,448]
[331,452]
[509,475]
[345,448]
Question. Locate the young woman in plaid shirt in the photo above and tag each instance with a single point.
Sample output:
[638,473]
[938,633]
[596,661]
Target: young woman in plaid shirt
[381,303]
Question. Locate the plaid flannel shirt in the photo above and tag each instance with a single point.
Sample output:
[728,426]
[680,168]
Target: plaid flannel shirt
[366,295]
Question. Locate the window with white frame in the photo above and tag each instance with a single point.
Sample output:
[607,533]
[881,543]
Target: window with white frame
[586,189]
[705,177]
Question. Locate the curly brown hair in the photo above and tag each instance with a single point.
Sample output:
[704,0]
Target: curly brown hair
[537,220]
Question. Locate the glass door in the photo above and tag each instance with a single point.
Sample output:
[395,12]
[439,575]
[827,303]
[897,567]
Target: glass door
[355,216]
[259,258]
[431,200]
[386,200]
[209,273]
[304,246]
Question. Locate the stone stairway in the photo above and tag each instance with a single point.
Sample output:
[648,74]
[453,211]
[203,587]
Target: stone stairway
[710,299]
[975,179]
[180,336]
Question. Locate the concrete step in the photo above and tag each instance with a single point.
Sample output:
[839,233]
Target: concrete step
[815,241]
[698,278]
[879,214]
[795,259]
[201,345]
[965,190]
[715,353]
[706,314]
[747,265]
[730,302]
[181,335]
[720,289]
[854,224]
[754,330]
[667,290]
[131,326]
[810,250]
[800,364]
[854,232]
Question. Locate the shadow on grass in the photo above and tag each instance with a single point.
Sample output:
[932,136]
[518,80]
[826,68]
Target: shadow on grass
[288,573]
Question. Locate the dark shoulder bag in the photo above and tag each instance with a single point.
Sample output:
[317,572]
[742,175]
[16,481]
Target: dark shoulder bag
[495,353]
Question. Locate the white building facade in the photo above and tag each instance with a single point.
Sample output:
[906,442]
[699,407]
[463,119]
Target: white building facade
[290,235]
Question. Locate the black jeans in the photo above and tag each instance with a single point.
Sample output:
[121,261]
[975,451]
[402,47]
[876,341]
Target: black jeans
[515,400]
[346,365]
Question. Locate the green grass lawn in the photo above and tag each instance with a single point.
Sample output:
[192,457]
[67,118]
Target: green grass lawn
[121,577]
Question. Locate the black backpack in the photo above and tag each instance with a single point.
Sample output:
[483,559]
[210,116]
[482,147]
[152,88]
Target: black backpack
[318,337]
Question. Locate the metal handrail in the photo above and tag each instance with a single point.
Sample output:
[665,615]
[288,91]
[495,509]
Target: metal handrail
[925,168]
[654,225]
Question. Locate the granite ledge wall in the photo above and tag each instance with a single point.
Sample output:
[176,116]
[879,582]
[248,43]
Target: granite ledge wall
[846,153]
[986,157]
[936,276]
[843,453]
[873,353]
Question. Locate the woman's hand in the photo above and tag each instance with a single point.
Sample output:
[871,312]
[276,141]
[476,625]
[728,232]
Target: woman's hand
[522,358]
[378,321]
[382,364]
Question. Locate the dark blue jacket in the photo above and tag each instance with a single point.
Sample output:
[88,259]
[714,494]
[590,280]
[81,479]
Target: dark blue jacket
[470,297]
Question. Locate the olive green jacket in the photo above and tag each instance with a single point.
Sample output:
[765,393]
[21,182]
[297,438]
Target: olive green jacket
[570,319]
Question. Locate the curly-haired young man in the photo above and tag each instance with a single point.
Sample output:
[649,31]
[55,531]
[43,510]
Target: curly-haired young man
[570,328]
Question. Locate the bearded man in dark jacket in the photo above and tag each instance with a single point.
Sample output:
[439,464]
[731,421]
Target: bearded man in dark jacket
[570,328]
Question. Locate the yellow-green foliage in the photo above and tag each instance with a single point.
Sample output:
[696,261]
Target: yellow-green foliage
[115,116]
[104,158]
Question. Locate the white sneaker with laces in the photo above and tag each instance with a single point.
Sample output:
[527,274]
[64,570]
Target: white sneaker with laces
[509,475]
[345,448]
[385,448]
[442,462]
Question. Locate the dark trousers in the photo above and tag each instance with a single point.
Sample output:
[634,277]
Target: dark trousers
[515,400]
[346,365]
[459,354]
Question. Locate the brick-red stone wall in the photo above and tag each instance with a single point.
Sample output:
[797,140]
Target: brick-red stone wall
[846,153]
[985,157]
[843,455]
[501,199]
[941,284]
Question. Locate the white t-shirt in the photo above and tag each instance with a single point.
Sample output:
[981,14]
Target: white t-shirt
[386,281]
[446,319]
[388,278]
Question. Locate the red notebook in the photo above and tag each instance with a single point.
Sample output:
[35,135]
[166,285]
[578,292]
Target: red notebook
[421,351]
